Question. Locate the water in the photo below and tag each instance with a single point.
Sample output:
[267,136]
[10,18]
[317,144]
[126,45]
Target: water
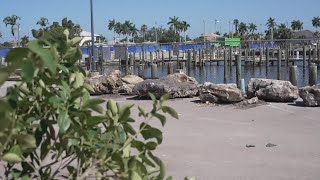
[215,74]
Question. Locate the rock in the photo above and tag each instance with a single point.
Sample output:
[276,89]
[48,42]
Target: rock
[250,146]
[270,145]
[126,89]
[272,90]
[181,77]
[208,98]
[250,103]
[252,100]
[105,84]
[310,95]
[132,79]
[178,86]
[223,93]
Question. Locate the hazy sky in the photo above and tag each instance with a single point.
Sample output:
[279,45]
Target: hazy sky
[154,13]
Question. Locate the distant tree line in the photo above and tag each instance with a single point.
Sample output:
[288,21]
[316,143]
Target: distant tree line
[274,30]
[128,32]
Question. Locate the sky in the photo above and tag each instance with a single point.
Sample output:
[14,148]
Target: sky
[157,13]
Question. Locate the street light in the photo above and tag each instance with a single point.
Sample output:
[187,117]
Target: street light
[215,25]
[156,32]
[93,62]
[204,32]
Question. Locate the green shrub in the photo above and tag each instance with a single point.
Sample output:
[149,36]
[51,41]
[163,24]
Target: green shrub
[50,127]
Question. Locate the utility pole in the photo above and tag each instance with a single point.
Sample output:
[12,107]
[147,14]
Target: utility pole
[204,32]
[93,62]
[18,34]
[156,29]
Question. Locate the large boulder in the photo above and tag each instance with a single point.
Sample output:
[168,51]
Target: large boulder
[174,85]
[272,90]
[220,93]
[105,84]
[126,89]
[310,95]
[181,77]
[132,79]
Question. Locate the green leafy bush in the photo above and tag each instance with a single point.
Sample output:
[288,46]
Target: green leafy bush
[50,127]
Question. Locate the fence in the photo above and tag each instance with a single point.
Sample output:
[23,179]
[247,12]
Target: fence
[253,44]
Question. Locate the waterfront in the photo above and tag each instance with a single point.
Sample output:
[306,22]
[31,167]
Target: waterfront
[215,74]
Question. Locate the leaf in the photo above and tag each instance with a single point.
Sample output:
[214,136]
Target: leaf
[139,145]
[158,161]
[16,149]
[95,120]
[45,55]
[124,112]
[112,106]
[71,54]
[55,100]
[129,129]
[79,80]
[28,71]
[142,111]
[12,158]
[162,173]
[66,33]
[26,141]
[64,121]
[16,56]
[63,68]
[169,178]
[88,87]
[76,40]
[146,159]
[127,151]
[3,76]
[150,133]
[154,99]
[122,134]
[161,117]
[187,178]
[25,177]
[94,104]
[172,112]
[164,98]
[151,145]
[135,176]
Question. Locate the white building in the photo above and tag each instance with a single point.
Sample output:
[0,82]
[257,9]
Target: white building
[86,36]
[211,37]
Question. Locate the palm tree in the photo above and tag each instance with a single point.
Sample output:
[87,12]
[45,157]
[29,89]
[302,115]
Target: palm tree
[117,28]
[12,21]
[179,29]
[133,31]
[252,28]
[43,22]
[282,26]
[143,30]
[111,26]
[271,23]
[24,41]
[296,25]
[126,28]
[185,26]
[236,25]
[316,22]
[243,28]
[174,22]
[283,32]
